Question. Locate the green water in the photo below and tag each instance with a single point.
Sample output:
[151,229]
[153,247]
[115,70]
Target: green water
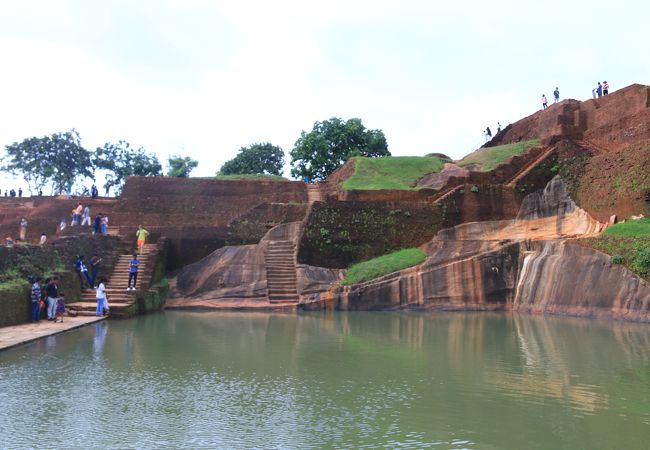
[331,380]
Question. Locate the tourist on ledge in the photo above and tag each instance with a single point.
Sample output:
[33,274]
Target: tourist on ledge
[605,88]
[23,229]
[35,297]
[544,101]
[556,95]
[52,292]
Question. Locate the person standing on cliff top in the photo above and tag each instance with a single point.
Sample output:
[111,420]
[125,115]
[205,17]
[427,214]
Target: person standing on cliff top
[605,88]
[556,95]
[141,235]
[599,90]
[23,229]
[488,134]
[544,101]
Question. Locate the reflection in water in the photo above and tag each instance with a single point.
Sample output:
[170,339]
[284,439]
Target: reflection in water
[341,380]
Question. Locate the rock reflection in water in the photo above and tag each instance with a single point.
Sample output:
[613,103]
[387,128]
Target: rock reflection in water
[240,380]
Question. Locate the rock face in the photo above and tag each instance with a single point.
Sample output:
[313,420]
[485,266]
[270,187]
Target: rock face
[525,264]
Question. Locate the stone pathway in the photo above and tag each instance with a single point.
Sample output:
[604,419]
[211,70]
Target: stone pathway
[21,334]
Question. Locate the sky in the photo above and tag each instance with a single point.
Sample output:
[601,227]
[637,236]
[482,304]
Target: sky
[204,78]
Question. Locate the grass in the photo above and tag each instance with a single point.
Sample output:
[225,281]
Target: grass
[630,228]
[251,177]
[391,172]
[628,244]
[382,265]
[490,157]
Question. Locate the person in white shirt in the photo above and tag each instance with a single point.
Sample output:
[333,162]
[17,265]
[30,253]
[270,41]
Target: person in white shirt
[102,303]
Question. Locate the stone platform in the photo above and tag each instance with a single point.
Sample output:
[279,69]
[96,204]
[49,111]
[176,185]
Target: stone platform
[21,334]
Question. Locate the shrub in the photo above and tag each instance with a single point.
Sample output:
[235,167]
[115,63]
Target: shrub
[617,259]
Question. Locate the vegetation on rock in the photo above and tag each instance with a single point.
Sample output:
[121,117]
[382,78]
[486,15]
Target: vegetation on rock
[331,143]
[382,265]
[391,172]
[488,158]
[257,159]
[628,243]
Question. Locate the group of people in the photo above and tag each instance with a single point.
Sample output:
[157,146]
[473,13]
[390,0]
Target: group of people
[53,302]
[600,90]
[12,193]
[487,133]
[86,278]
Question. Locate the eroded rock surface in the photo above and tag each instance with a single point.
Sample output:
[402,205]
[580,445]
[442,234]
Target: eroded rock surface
[522,264]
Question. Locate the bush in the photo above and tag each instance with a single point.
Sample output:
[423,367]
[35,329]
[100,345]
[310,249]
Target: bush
[617,259]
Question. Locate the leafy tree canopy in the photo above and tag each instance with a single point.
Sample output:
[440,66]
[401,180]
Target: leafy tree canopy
[58,159]
[121,161]
[181,167]
[331,143]
[260,158]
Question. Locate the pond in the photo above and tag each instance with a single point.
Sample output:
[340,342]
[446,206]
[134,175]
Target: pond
[331,380]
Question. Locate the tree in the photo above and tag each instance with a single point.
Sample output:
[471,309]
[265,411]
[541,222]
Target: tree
[181,167]
[331,143]
[122,161]
[259,158]
[58,159]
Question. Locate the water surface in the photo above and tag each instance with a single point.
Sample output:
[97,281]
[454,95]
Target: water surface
[331,380]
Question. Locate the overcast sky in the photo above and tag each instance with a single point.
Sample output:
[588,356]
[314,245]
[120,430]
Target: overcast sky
[204,78]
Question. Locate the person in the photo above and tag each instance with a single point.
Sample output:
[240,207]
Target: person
[94,265]
[78,212]
[63,224]
[52,292]
[599,90]
[93,191]
[9,242]
[544,101]
[498,127]
[101,297]
[20,192]
[43,239]
[97,223]
[60,308]
[488,134]
[593,94]
[23,229]
[141,235]
[86,219]
[104,224]
[605,88]
[82,272]
[107,188]
[556,95]
[35,297]
[133,272]
[40,192]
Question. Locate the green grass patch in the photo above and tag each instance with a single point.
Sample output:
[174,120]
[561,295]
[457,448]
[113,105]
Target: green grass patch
[251,177]
[376,267]
[490,157]
[630,228]
[391,172]
[628,243]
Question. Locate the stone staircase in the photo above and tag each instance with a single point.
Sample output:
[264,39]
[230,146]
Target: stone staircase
[314,193]
[281,272]
[119,299]
[529,167]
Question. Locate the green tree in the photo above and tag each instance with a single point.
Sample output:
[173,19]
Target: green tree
[121,161]
[259,158]
[58,159]
[181,167]
[331,143]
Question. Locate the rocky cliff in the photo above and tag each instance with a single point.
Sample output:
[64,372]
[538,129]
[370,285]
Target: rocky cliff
[525,264]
